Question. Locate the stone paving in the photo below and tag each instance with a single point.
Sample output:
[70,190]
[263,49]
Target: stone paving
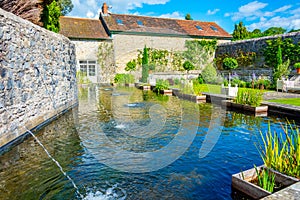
[279,95]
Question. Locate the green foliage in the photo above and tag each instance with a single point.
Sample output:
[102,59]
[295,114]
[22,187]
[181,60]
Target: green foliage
[209,74]
[249,97]
[124,78]
[265,179]
[274,31]
[243,58]
[281,150]
[289,50]
[282,70]
[65,6]
[161,85]
[187,65]
[145,66]
[240,32]
[131,65]
[82,78]
[262,84]
[188,17]
[199,52]
[105,58]
[297,65]
[50,17]
[230,63]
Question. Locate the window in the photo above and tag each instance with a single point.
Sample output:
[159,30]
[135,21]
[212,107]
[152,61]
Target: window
[199,27]
[88,67]
[92,70]
[214,28]
[119,21]
[139,22]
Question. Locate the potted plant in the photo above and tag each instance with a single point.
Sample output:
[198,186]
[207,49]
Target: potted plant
[297,66]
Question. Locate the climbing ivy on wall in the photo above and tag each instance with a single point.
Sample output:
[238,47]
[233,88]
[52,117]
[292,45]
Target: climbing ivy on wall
[289,51]
[244,59]
[200,52]
[106,61]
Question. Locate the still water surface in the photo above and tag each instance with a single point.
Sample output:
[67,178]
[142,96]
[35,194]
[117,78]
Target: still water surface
[76,141]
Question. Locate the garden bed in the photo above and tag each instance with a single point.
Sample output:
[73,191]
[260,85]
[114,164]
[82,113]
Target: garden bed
[246,182]
[247,108]
[189,97]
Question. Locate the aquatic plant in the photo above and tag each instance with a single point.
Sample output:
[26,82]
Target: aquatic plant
[161,85]
[282,150]
[249,97]
[265,179]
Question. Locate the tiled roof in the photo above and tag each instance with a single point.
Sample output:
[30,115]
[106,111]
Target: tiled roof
[130,23]
[82,28]
[209,29]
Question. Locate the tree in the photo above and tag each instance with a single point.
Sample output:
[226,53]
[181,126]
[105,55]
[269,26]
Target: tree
[294,30]
[256,33]
[145,66]
[240,32]
[65,6]
[51,14]
[274,31]
[188,17]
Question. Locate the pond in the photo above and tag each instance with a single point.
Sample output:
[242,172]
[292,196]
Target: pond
[128,144]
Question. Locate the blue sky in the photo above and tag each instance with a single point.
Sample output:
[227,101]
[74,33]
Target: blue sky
[260,14]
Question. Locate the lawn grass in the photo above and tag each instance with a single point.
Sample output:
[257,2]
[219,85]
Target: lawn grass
[288,101]
[209,88]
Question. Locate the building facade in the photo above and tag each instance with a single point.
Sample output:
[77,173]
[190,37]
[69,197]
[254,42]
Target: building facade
[123,35]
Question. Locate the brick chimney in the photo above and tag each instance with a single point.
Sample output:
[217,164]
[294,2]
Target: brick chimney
[105,8]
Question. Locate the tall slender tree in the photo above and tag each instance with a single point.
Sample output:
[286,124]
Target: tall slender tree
[240,32]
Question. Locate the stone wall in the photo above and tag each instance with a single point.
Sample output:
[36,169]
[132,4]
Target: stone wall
[126,46]
[37,76]
[253,45]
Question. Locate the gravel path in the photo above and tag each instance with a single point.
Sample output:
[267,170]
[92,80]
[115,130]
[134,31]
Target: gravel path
[279,95]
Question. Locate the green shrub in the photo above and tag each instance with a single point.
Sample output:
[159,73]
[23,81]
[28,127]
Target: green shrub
[230,63]
[176,81]
[297,65]
[161,85]
[131,65]
[249,97]
[209,74]
[124,78]
[200,79]
[187,65]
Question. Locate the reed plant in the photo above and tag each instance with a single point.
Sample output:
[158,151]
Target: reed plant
[281,151]
[249,97]
[265,179]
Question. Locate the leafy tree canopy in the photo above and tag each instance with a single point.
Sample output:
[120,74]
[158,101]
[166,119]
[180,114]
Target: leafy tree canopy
[188,17]
[274,31]
[240,32]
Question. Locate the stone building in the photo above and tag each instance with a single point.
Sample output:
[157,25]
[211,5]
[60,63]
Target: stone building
[123,35]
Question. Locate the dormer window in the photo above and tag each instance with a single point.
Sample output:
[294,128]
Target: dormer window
[120,22]
[140,23]
[199,28]
[214,28]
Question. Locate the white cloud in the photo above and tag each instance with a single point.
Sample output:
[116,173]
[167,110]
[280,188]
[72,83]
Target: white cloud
[212,12]
[90,14]
[252,7]
[92,3]
[174,15]
[123,6]
[283,8]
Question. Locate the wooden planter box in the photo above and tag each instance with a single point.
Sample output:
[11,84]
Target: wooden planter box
[166,92]
[248,108]
[129,84]
[145,87]
[254,191]
[190,97]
